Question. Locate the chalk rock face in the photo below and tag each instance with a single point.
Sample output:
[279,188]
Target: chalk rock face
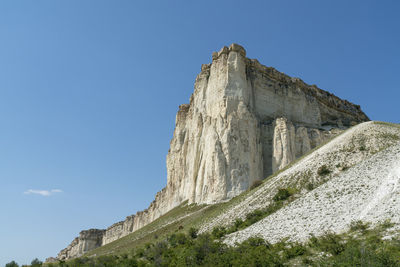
[87,240]
[291,142]
[284,144]
[216,152]
[244,122]
[302,141]
[120,229]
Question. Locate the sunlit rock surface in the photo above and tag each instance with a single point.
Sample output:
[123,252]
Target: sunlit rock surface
[244,122]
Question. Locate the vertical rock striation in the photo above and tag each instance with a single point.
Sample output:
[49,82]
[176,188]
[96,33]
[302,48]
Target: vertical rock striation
[244,122]
[87,240]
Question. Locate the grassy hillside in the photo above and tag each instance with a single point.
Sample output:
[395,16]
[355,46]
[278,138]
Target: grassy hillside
[360,246]
[257,202]
[178,220]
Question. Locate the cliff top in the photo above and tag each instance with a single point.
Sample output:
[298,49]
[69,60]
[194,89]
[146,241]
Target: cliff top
[285,80]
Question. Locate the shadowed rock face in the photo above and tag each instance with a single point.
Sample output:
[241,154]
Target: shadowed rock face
[244,122]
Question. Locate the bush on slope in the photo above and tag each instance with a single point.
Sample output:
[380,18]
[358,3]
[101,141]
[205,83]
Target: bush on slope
[359,247]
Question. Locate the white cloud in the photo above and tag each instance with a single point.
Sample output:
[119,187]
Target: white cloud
[56,191]
[44,193]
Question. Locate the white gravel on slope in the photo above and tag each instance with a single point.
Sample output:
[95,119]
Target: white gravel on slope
[369,191]
[343,151]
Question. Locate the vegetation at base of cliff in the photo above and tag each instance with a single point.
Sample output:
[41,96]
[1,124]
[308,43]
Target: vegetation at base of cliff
[323,170]
[361,246]
[175,221]
[187,216]
[35,263]
[179,219]
[282,197]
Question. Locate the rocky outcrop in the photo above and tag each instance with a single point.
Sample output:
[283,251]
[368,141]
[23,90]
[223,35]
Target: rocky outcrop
[51,260]
[87,240]
[284,147]
[244,121]
[290,142]
[230,134]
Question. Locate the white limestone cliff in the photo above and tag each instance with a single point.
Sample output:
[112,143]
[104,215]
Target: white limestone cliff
[87,240]
[244,121]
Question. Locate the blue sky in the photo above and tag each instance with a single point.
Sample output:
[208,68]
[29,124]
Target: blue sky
[89,91]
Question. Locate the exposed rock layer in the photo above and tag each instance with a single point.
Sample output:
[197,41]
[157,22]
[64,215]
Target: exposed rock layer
[87,240]
[244,121]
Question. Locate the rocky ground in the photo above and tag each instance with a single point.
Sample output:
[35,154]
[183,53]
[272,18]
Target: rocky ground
[362,183]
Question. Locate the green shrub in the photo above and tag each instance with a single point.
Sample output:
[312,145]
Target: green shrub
[177,239]
[307,262]
[255,242]
[273,207]
[283,194]
[207,250]
[12,264]
[193,232]
[359,226]
[310,186]
[361,253]
[254,217]
[294,250]
[331,243]
[238,223]
[386,224]
[323,170]
[36,263]
[218,232]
